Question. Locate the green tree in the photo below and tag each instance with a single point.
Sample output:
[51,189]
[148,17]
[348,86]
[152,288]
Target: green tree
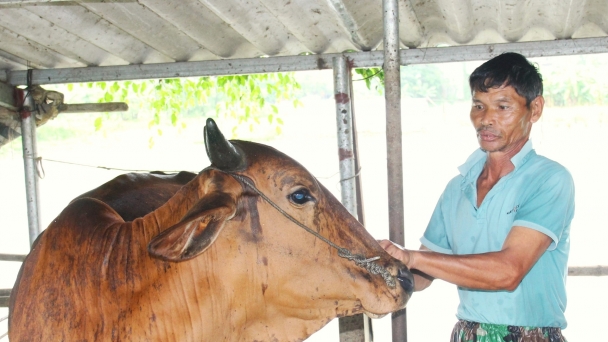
[577,84]
[247,98]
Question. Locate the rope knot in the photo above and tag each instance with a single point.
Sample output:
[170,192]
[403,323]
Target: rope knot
[369,265]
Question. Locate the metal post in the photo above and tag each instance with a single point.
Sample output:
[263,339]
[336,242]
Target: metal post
[354,328]
[392,90]
[30,153]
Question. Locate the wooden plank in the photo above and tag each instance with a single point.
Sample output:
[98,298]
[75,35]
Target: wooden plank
[588,271]
[93,107]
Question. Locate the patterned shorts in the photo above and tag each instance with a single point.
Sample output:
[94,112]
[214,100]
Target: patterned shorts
[465,331]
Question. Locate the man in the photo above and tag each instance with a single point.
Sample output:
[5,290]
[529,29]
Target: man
[501,228]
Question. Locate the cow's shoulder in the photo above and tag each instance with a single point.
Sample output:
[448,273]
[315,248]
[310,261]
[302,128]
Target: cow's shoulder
[134,195]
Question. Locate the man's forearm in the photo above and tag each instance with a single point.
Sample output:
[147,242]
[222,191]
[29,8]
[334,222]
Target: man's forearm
[488,271]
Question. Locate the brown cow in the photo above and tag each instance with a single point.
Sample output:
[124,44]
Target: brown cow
[204,257]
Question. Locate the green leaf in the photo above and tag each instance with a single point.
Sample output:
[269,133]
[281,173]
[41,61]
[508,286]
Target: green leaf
[98,123]
[108,97]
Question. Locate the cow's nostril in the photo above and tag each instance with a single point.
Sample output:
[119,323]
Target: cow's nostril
[406,280]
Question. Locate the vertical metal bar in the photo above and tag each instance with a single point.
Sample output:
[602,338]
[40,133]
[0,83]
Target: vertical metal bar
[392,88]
[345,137]
[30,153]
[358,185]
[354,328]
[367,321]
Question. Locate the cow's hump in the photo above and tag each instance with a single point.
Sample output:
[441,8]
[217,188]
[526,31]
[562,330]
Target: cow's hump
[134,195]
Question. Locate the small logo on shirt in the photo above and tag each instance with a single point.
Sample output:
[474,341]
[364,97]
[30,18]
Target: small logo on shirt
[514,210]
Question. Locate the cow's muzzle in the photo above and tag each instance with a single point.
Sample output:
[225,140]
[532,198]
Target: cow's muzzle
[405,278]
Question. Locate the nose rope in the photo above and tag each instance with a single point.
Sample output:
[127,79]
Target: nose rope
[358,259]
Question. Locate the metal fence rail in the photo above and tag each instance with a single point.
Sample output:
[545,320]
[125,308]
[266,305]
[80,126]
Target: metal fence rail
[12,257]
[5,294]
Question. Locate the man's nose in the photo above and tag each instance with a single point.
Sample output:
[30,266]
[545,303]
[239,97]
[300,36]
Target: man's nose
[487,118]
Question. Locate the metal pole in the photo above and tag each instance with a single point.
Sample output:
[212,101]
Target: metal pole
[354,328]
[392,90]
[345,137]
[30,153]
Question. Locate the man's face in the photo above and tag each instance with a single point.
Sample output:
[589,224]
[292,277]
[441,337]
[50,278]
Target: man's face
[502,120]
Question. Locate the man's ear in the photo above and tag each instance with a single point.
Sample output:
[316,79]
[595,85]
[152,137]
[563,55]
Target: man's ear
[536,106]
[196,231]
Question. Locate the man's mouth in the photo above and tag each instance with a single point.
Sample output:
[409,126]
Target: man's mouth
[485,135]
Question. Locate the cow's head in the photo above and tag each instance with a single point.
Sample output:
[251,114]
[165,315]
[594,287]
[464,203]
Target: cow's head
[270,253]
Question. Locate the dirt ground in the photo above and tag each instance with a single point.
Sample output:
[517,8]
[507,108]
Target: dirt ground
[435,141]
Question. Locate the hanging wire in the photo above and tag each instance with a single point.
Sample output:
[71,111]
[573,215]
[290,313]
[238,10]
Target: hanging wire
[106,167]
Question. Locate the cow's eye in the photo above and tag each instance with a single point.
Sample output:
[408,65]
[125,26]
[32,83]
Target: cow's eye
[300,196]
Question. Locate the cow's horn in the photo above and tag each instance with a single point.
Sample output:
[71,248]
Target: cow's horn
[220,151]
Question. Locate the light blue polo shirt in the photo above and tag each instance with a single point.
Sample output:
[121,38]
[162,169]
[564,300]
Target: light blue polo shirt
[537,194]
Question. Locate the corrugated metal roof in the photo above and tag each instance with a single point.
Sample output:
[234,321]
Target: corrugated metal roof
[72,34]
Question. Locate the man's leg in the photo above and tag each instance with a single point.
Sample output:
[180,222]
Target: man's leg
[465,331]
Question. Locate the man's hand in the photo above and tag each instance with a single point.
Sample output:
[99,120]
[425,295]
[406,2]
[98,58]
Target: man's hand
[421,280]
[396,251]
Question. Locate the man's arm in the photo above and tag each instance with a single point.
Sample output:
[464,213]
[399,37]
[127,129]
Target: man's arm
[502,270]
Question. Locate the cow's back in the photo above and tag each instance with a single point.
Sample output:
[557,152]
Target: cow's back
[61,273]
[68,262]
[134,195]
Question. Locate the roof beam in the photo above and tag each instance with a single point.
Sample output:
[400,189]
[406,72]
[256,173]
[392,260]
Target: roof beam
[306,62]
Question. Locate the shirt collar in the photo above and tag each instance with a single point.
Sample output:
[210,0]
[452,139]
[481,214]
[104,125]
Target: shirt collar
[479,155]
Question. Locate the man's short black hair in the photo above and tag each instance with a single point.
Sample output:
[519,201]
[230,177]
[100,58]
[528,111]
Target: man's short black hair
[508,69]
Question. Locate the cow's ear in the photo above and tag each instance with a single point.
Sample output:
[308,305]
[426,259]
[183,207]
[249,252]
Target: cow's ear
[196,231]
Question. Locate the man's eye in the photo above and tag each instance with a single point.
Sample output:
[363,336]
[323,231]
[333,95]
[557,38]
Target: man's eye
[300,196]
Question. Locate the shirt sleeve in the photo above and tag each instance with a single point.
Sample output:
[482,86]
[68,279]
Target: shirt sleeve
[435,237]
[551,207]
